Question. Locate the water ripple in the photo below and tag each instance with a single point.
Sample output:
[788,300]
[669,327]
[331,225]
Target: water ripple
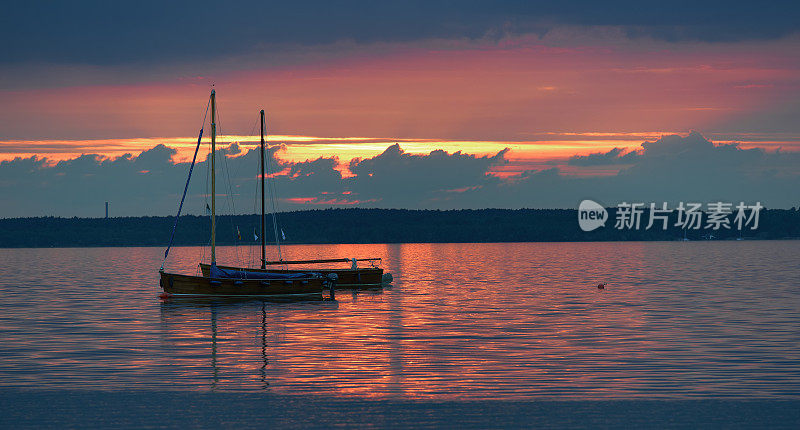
[677,321]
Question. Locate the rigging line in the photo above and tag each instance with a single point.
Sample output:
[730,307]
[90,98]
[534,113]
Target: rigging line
[230,199]
[251,260]
[207,208]
[273,198]
[208,175]
[186,187]
[273,201]
[227,201]
[256,209]
[273,193]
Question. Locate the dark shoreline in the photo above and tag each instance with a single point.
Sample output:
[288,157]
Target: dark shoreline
[334,226]
[378,243]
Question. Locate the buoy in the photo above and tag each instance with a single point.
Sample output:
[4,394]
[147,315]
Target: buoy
[601,286]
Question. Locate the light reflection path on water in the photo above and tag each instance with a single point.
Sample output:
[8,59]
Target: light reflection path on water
[507,321]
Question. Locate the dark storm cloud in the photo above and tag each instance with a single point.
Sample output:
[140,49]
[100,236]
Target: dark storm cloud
[147,184]
[614,156]
[399,179]
[151,183]
[672,169]
[103,32]
[311,178]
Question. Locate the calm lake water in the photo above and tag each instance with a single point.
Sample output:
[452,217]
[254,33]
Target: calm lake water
[461,321]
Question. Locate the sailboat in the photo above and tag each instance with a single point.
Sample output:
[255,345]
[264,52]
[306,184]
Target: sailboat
[352,277]
[234,282]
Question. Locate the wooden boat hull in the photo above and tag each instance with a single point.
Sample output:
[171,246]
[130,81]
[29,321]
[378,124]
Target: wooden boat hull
[371,277]
[201,286]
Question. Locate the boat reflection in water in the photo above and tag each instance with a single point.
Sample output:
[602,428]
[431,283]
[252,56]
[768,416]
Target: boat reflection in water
[286,347]
[228,356]
[236,335]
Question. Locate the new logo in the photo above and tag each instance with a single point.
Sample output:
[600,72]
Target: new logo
[591,215]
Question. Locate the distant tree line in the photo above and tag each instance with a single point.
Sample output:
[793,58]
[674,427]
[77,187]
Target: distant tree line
[371,226]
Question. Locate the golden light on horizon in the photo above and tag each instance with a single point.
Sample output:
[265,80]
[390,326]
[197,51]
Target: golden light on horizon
[551,149]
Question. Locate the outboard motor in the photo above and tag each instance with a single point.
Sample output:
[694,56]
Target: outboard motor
[332,278]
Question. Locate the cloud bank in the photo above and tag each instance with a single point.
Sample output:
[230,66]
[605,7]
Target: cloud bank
[673,168]
[149,31]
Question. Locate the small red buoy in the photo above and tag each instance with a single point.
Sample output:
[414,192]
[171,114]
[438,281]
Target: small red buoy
[164,296]
[601,286]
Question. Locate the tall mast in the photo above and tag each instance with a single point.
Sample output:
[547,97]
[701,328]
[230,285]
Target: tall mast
[263,179]
[213,179]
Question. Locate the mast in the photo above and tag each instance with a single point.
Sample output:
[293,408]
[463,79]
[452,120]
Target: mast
[213,179]
[263,179]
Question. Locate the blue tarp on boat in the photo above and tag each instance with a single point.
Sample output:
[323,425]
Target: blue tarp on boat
[216,272]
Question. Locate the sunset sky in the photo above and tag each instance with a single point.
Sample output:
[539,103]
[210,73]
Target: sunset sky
[535,95]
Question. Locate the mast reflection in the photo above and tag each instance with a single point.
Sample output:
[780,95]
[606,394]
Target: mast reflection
[224,342]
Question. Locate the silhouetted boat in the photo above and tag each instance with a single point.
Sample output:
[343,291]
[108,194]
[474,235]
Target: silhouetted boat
[367,277]
[352,277]
[233,282]
[306,285]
